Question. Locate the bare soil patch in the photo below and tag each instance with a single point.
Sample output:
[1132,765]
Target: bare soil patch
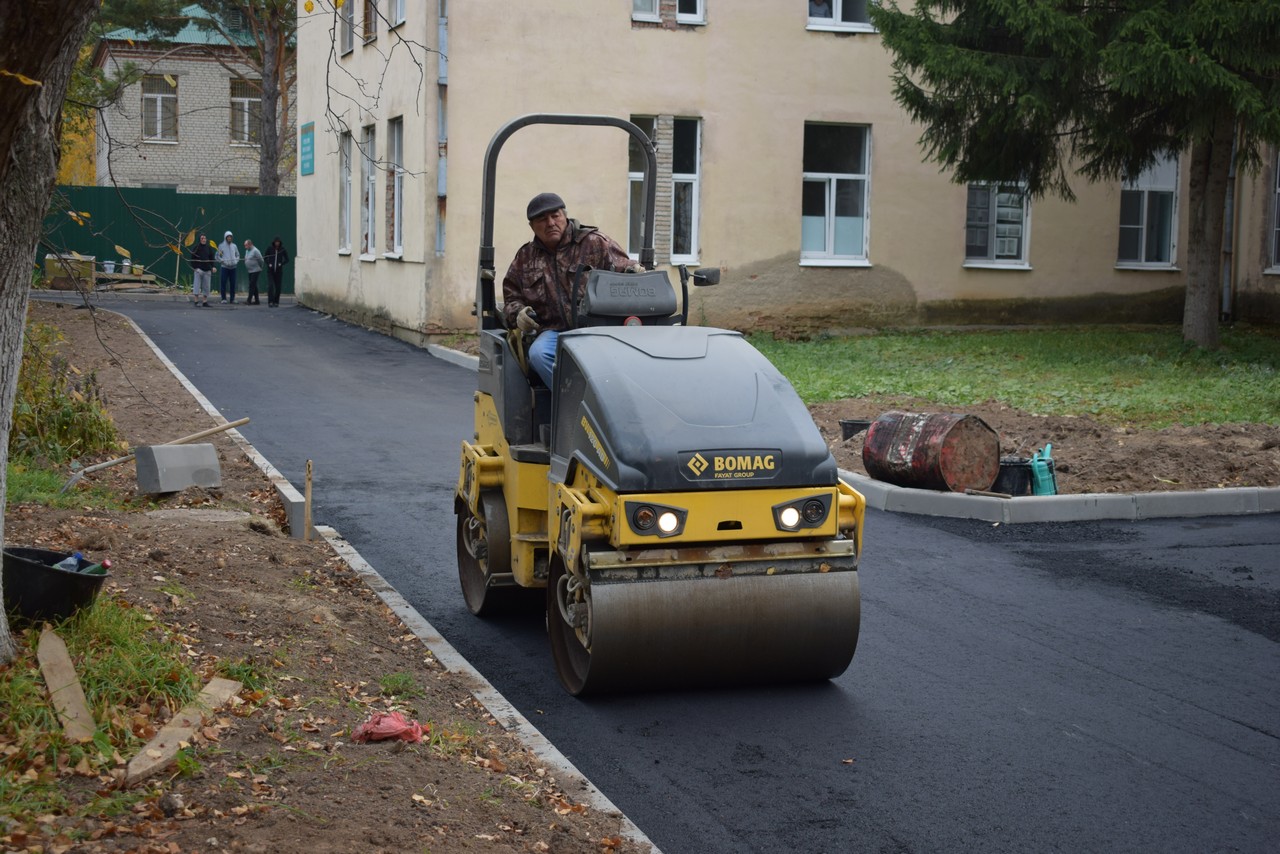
[279,771]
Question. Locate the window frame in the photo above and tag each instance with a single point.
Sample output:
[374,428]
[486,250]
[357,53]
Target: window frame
[694,180]
[828,257]
[1275,218]
[369,22]
[347,28]
[1146,185]
[835,24]
[249,118]
[397,16]
[344,193]
[395,186]
[368,193]
[992,260]
[154,103]
[692,18]
[652,15]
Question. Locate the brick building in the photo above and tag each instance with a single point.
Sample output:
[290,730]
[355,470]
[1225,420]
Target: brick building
[192,120]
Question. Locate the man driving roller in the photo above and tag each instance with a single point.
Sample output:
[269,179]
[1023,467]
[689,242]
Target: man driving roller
[538,287]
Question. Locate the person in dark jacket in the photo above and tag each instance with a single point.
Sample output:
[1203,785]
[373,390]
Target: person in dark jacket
[536,290]
[201,271]
[277,256]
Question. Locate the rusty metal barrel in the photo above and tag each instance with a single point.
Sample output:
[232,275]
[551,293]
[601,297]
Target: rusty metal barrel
[949,452]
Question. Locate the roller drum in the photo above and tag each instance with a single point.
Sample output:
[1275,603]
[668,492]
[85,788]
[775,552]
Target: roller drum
[712,632]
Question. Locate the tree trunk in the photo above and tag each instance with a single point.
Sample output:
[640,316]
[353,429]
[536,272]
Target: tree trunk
[38,41]
[269,148]
[1210,173]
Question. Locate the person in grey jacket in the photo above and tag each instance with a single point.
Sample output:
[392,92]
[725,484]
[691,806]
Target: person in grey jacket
[228,259]
[253,265]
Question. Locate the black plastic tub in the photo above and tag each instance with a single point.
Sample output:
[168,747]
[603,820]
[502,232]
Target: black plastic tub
[37,590]
[1015,476]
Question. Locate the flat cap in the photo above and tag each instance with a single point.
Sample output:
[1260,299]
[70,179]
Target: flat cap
[543,203]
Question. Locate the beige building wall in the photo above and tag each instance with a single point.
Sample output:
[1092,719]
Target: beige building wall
[754,74]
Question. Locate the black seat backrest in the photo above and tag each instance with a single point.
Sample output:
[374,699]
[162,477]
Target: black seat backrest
[610,298]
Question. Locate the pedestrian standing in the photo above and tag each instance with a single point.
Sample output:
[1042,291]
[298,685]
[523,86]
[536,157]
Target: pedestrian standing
[253,266]
[202,259]
[228,259]
[277,257]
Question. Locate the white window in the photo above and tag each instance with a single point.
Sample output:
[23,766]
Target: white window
[1275,225]
[397,12]
[246,113]
[395,186]
[160,108]
[368,193]
[347,15]
[635,233]
[839,14]
[1148,216]
[370,21]
[685,156]
[996,225]
[691,12]
[344,193]
[645,10]
[833,206]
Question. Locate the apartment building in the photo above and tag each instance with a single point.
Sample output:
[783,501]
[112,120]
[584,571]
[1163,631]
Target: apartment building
[783,160]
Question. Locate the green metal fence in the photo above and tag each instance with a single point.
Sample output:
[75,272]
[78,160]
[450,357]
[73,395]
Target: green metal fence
[151,224]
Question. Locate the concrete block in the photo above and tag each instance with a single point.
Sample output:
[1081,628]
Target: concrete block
[1269,500]
[875,492]
[929,502]
[1069,508]
[172,468]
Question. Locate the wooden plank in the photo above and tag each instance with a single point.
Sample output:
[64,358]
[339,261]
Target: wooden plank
[64,687]
[161,750]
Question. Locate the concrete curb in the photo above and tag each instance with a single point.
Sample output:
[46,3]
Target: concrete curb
[1066,508]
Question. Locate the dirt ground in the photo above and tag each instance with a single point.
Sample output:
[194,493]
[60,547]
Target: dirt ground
[280,772]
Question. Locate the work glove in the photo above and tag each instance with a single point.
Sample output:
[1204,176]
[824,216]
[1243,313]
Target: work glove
[527,321]
[635,268]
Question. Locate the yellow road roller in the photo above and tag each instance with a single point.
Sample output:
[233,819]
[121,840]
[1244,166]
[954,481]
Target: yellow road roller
[670,494]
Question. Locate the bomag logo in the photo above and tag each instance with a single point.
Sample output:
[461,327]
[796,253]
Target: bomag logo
[595,441]
[630,291]
[759,464]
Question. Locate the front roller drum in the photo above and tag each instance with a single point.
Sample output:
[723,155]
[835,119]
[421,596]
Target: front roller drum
[701,632]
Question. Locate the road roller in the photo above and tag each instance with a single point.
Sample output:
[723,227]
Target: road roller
[669,500]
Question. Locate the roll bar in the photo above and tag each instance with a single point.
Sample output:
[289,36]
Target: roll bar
[486,305]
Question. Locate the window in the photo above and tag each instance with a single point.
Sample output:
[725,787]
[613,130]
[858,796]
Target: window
[1275,225]
[839,14]
[347,13]
[397,12]
[160,109]
[1148,205]
[636,165]
[242,191]
[246,113]
[645,10]
[368,193]
[690,12]
[370,21]
[833,206]
[395,186]
[685,146]
[344,192]
[995,228]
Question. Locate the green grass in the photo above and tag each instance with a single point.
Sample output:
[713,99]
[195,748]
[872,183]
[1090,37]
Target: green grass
[1141,376]
[28,482]
[124,662]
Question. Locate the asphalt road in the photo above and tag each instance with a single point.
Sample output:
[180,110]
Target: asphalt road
[1100,686]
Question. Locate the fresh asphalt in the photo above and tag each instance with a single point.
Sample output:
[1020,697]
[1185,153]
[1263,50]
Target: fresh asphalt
[1090,686]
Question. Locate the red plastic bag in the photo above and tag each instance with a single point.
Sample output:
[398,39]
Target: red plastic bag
[382,726]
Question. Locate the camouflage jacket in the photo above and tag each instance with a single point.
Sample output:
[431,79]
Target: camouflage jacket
[543,279]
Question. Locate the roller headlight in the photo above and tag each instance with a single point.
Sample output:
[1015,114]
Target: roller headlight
[654,520]
[668,522]
[802,513]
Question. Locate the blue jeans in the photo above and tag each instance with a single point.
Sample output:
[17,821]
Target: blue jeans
[227,281]
[542,355]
